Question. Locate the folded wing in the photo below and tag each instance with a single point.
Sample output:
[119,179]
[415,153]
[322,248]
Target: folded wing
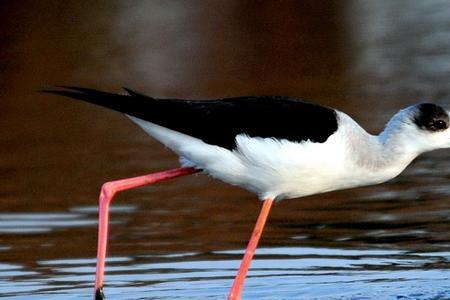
[219,121]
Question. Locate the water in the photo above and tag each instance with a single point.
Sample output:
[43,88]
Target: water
[183,239]
[288,273]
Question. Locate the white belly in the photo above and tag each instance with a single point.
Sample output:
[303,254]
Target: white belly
[272,168]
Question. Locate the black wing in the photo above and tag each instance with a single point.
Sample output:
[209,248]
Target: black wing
[218,122]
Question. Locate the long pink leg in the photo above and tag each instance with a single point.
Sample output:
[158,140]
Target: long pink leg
[109,189]
[236,289]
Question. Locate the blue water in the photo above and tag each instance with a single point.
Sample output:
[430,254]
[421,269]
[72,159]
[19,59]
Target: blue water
[277,273]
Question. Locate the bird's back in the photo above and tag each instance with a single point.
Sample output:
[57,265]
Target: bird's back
[219,121]
[275,146]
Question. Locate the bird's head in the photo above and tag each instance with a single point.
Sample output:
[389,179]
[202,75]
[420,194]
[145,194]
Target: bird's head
[423,127]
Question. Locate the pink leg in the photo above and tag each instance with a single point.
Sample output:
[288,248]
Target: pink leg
[236,289]
[109,189]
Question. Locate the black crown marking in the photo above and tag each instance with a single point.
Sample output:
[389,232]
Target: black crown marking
[431,117]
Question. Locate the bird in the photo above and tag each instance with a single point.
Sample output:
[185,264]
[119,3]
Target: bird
[274,146]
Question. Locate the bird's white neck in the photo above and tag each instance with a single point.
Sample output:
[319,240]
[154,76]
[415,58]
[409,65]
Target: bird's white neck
[398,139]
[398,147]
[395,148]
[387,154]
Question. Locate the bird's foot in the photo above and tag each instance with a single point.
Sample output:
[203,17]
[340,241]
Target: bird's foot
[99,295]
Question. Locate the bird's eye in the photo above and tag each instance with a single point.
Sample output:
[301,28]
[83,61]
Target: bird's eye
[439,125]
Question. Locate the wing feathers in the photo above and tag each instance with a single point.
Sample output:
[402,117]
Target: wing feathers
[218,122]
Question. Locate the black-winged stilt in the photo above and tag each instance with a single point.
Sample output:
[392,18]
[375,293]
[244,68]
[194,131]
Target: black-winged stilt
[277,147]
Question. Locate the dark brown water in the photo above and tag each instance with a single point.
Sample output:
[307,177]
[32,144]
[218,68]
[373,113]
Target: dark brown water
[183,239]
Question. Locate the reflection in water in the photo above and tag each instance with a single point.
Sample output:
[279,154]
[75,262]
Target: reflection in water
[403,52]
[300,273]
[40,222]
[32,223]
[368,58]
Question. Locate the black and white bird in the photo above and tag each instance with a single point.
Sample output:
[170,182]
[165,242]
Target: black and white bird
[278,147]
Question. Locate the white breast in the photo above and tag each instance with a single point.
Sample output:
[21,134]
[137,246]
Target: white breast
[276,168]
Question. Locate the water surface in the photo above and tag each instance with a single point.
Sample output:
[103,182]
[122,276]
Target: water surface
[183,239]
